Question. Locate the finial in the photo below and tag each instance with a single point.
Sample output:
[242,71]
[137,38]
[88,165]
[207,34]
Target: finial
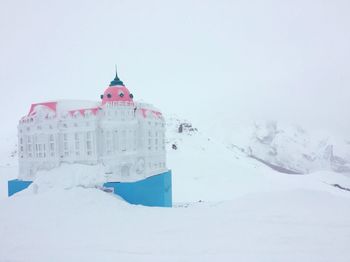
[116,80]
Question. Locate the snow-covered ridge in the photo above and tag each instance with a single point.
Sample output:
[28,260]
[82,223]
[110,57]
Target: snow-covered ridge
[289,147]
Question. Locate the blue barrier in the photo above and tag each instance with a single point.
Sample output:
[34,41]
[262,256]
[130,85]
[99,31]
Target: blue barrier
[17,185]
[152,191]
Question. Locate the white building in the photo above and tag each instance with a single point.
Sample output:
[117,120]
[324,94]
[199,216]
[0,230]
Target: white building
[124,136]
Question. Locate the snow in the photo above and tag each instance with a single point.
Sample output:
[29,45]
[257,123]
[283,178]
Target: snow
[286,145]
[228,207]
[69,176]
[89,225]
[67,105]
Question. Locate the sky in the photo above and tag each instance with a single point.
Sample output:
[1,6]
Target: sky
[202,60]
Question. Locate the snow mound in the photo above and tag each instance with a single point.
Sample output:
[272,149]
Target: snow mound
[68,176]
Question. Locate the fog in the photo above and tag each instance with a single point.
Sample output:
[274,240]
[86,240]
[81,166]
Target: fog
[202,60]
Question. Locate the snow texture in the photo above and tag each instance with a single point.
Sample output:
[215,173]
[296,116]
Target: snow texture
[228,207]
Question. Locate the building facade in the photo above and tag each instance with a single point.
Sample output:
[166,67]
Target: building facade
[124,136]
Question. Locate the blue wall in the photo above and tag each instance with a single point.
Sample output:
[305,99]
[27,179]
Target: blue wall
[16,185]
[152,191]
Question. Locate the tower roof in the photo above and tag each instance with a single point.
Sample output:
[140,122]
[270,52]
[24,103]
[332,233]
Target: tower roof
[116,81]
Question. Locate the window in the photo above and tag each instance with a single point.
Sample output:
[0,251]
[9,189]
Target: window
[77,144]
[29,146]
[89,143]
[44,150]
[65,145]
[21,148]
[149,144]
[156,141]
[39,150]
[52,145]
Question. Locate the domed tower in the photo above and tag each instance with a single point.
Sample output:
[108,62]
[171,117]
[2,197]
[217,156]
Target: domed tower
[118,147]
[117,93]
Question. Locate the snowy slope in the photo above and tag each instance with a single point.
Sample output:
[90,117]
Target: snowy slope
[228,206]
[287,146]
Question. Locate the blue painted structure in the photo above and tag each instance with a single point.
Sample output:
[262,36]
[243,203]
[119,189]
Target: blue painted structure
[16,185]
[152,191]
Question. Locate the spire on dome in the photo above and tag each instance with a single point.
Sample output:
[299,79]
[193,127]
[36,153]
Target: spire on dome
[116,81]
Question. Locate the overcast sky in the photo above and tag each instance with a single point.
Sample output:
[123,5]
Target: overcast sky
[199,59]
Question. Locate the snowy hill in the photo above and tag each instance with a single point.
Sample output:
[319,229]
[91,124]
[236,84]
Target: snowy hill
[227,206]
[288,147]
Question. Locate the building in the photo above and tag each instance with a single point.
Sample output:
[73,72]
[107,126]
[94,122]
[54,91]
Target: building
[126,137]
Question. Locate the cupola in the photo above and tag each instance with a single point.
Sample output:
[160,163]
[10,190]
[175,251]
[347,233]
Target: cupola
[116,92]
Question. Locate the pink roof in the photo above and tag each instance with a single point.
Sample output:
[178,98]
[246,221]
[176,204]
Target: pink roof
[144,112]
[51,105]
[116,94]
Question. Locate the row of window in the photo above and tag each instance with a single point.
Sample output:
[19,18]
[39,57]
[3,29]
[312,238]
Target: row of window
[156,140]
[64,125]
[83,142]
[156,165]
[123,114]
[118,103]
[120,140]
[38,147]
[156,123]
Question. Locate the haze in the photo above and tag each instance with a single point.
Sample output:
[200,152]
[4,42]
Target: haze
[202,60]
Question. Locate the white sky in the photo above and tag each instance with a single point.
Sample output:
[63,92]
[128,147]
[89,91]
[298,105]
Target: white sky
[198,59]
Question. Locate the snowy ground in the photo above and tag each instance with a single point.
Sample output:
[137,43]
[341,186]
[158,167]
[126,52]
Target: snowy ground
[227,207]
[89,225]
